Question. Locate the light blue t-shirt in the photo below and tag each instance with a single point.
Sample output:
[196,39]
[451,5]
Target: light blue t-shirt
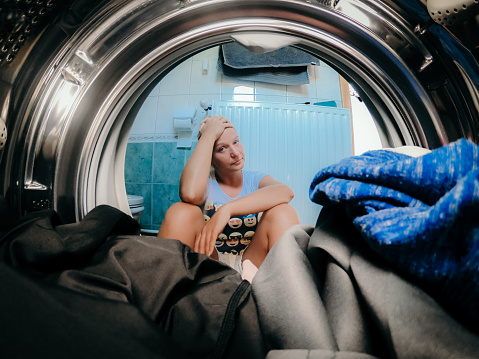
[237,234]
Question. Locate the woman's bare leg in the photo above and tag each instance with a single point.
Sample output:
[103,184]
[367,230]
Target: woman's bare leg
[273,224]
[183,221]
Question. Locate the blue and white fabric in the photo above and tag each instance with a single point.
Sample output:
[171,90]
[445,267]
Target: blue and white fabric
[419,213]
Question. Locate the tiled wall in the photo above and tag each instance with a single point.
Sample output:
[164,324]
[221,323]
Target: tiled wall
[153,170]
[153,164]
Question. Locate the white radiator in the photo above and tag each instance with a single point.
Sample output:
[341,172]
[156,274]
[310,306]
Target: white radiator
[291,142]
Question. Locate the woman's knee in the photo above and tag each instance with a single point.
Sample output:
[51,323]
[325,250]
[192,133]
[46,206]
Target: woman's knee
[181,211]
[274,222]
[181,216]
[282,213]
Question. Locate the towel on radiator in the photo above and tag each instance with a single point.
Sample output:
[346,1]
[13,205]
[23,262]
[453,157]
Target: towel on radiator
[285,66]
[238,57]
[421,214]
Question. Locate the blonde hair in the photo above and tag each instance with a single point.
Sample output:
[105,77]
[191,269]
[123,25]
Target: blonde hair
[212,169]
[201,124]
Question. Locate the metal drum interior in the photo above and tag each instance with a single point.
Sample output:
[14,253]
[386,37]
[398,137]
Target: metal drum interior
[74,91]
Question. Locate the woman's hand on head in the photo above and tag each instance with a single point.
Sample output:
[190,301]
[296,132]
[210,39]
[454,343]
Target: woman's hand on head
[206,240]
[214,126]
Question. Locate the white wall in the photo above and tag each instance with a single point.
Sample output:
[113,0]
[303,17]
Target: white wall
[365,133]
[186,85]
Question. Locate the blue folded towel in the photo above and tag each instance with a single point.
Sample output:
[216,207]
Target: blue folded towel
[421,214]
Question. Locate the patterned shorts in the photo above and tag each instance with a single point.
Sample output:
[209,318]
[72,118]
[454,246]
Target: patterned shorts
[237,234]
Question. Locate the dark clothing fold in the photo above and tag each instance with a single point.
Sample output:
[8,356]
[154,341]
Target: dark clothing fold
[95,289]
[359,304]
[419,213]
[161,280]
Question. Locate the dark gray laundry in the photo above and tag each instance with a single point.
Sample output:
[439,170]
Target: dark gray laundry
[121,291]
[284,66]
[96,289]
[336,295]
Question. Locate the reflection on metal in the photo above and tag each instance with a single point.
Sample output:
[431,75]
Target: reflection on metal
[35,186]
[472,88]
[72,119]
[452,12]
[393,30]
[79,69]
[426,62]
[3,133]
[36,196]
[22,20]
[325,3]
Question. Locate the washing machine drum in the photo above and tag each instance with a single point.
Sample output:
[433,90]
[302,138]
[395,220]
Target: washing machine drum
[74,79]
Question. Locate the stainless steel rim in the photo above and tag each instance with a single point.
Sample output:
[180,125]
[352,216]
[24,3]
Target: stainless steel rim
[78,117]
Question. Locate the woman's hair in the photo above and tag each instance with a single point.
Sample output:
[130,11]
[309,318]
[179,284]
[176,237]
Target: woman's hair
[212,170]
[201,124]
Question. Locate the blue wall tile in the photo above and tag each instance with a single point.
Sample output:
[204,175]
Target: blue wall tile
[164,195]
[168,163]
[138,160]
[153,170]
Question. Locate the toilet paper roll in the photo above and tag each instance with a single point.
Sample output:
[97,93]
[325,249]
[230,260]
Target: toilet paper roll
[184,128]
[183,124]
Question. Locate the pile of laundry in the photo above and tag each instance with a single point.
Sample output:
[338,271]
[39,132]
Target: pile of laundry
[419,213]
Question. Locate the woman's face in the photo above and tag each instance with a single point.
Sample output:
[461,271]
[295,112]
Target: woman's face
[228,152]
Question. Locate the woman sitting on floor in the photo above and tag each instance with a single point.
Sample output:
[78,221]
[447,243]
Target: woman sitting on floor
[226,212]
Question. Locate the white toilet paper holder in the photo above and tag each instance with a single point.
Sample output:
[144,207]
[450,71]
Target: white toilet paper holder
[183,124]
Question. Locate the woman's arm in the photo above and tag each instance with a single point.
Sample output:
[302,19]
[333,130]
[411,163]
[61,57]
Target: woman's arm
[194,178]
[270,194]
